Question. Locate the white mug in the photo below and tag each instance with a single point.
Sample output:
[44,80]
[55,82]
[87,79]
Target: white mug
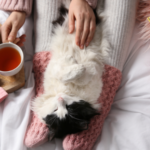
[19,67]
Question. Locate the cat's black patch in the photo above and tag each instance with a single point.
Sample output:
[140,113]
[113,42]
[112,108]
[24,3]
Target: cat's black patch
[62,12]
[97,18]
[77,120]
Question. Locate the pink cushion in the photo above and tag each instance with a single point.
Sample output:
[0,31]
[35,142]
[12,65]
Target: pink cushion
[37,132]
[3,94]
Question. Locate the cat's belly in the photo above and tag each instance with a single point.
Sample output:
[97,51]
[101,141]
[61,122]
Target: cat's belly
[89,92]
[79,80]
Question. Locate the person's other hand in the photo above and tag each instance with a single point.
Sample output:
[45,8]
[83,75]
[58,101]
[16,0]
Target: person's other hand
[19,41]
[80,11]
[11,26]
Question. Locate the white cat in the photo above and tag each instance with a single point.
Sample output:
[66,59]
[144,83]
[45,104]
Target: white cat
[72,80]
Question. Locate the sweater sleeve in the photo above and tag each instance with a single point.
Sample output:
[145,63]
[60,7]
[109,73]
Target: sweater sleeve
[19,5]
[92,3]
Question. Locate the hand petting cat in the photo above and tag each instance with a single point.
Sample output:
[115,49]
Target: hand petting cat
[80,11]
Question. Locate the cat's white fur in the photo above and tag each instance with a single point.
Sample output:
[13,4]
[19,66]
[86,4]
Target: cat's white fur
[72,74]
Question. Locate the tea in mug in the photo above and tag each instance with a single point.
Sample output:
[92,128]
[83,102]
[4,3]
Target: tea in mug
[9,59]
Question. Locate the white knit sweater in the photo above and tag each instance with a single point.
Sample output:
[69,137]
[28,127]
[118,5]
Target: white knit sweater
[120,22]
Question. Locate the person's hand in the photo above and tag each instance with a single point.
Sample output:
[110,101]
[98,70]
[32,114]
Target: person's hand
[11,26]
[80,11]
[19,41]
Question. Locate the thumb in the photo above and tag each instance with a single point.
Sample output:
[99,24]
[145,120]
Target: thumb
[13,34]
[71,22]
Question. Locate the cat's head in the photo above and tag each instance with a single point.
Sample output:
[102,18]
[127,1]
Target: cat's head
[66,115]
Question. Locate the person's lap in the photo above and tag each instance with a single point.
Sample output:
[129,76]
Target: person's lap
[127,125]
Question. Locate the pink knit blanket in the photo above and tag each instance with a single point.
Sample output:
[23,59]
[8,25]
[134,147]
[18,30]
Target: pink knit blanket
[37,132]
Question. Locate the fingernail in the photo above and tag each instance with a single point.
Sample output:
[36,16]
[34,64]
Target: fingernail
[81,46]
[10,39]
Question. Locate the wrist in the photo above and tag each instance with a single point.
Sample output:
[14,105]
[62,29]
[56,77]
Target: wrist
[23,13]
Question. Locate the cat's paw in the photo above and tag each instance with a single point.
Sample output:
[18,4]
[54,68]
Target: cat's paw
[73,72]
[89,74]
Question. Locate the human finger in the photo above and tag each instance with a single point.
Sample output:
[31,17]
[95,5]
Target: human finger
[91,32]
[79,29]
[20,44]
[17,40]
[13,33]
[5,30]
[85,32]
[71,22]
[22,40]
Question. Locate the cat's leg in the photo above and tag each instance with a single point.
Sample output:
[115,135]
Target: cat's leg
[80,74]
[64,73]
[72,72]
[91,71]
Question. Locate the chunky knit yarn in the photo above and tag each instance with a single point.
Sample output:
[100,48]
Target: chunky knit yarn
[40,62]
[37,132]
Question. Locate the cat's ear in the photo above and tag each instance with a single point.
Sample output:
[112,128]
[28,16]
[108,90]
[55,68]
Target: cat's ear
[52,123]
[83,125]
[51,135]
[83,109]
[52,132]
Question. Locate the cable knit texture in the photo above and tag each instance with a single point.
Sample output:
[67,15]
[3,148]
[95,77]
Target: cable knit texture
[142,14]
[20,5]
[37,132]
[120,22]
